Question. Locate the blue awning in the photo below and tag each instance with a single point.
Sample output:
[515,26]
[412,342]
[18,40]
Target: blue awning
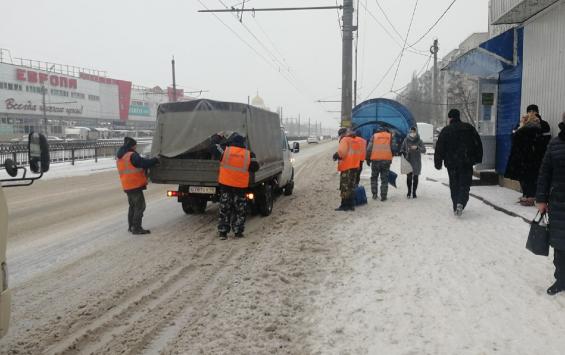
[488,59]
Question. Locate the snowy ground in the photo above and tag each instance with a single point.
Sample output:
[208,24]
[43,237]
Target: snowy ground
[401,277]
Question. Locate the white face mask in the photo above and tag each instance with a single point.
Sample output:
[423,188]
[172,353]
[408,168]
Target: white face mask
[413,135]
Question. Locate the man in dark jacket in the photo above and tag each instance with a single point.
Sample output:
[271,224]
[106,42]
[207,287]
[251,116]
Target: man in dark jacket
[459,147]
[131,168]
[550,198]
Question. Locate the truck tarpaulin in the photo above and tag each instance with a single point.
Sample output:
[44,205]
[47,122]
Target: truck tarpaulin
[185,127]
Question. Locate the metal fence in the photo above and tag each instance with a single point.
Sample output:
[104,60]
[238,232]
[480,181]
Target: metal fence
[66,151]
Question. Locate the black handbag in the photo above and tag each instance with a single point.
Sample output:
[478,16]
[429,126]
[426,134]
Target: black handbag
[538,239]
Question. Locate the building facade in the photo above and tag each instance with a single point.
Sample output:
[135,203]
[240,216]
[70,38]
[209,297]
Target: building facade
[46,97]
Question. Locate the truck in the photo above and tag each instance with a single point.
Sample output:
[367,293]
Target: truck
[184,142]
[426,132]
[38,160]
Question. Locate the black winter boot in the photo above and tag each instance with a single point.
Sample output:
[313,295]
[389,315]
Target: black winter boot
[415,186]
[555,288]
[409,184]
[342,206]
[139,231]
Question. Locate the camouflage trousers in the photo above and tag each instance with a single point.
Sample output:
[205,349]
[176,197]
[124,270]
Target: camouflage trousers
[380,168]
[233,211]
[347,180]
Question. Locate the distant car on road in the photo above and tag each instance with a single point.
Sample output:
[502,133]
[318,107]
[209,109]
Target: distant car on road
[313,139]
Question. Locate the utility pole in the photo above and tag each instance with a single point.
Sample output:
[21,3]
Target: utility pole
[435,76]
[356,58]
[298,125]
[308,126]
[174,81]
[347,71]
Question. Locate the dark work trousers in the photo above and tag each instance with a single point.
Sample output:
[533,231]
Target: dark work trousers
[380,168]
[136,208]
[460,178]
[358,177]
[233,210]
[559,262]
[412,182]
[529,186]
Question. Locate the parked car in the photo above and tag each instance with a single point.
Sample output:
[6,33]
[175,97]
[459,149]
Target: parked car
[313,139]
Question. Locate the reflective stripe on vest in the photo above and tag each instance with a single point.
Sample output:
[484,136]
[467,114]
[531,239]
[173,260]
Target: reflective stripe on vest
[358,147]
[381,146]
[234,167]
[350,161]
[131,177]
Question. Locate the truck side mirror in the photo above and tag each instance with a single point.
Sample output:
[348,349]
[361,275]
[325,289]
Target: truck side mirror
[38,153]
[295,147]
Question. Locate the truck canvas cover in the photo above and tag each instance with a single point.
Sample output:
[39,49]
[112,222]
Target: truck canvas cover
[183,127]
[183,139]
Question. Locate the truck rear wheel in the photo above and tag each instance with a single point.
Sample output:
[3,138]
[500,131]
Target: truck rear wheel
[265,200]
[194,205]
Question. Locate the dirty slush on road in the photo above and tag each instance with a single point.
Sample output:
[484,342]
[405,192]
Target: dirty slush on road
[181,290]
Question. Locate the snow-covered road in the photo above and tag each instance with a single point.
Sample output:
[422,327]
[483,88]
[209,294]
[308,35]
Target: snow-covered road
[401,277]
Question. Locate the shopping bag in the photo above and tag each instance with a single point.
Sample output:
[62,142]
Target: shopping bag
[405,166]
[538,238]
[360,196]
[392,178]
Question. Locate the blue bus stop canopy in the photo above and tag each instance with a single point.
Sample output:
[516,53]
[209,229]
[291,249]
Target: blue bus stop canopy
[376,113]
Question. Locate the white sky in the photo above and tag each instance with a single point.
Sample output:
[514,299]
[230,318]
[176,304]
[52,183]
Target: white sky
[135,39]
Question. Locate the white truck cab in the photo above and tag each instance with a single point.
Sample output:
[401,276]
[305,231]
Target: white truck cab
[286,180]
[38,164]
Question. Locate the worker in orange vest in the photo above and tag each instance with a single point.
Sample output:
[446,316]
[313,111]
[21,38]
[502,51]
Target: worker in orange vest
[360,148]
[236,164]
[379,158]
[348,166]
[131,168]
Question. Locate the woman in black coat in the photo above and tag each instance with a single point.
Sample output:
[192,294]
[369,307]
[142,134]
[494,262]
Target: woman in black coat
[550,198]
[526,156]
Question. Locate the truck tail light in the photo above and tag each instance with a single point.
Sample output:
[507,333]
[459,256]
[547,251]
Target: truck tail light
[172,193]
[250,196]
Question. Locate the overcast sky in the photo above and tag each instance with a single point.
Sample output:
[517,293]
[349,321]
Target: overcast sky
[299,58]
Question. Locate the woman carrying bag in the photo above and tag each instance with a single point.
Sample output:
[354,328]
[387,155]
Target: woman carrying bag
[550,198]
[412,150]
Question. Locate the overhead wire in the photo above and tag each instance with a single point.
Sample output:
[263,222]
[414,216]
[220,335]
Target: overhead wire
[434,25]
[395,40]
[405,42]
[388,19]
[291,78]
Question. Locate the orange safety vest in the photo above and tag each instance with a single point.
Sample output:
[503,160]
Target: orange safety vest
[360,148]
[234,167]
[348,154]
[381,146]
[131,177]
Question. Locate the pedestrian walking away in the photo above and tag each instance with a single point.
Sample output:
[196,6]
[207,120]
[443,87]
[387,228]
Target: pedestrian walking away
[550,198]
[529,143]
[132,170]
[348,167]
[459,148]
[379,158]
[236,164]
[412,149]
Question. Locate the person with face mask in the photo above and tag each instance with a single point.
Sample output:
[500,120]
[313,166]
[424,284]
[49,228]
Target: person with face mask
[412,150]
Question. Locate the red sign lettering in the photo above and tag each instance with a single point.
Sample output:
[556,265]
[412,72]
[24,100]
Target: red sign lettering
[20,74]
[54,80]
[72,83]
[43,78]
[32,76]
[63,82]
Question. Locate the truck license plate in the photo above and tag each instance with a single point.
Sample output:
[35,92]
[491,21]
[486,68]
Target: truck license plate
[202,190]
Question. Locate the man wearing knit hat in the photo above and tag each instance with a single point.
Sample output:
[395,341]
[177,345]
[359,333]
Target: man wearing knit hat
[131,168]
[459,147]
